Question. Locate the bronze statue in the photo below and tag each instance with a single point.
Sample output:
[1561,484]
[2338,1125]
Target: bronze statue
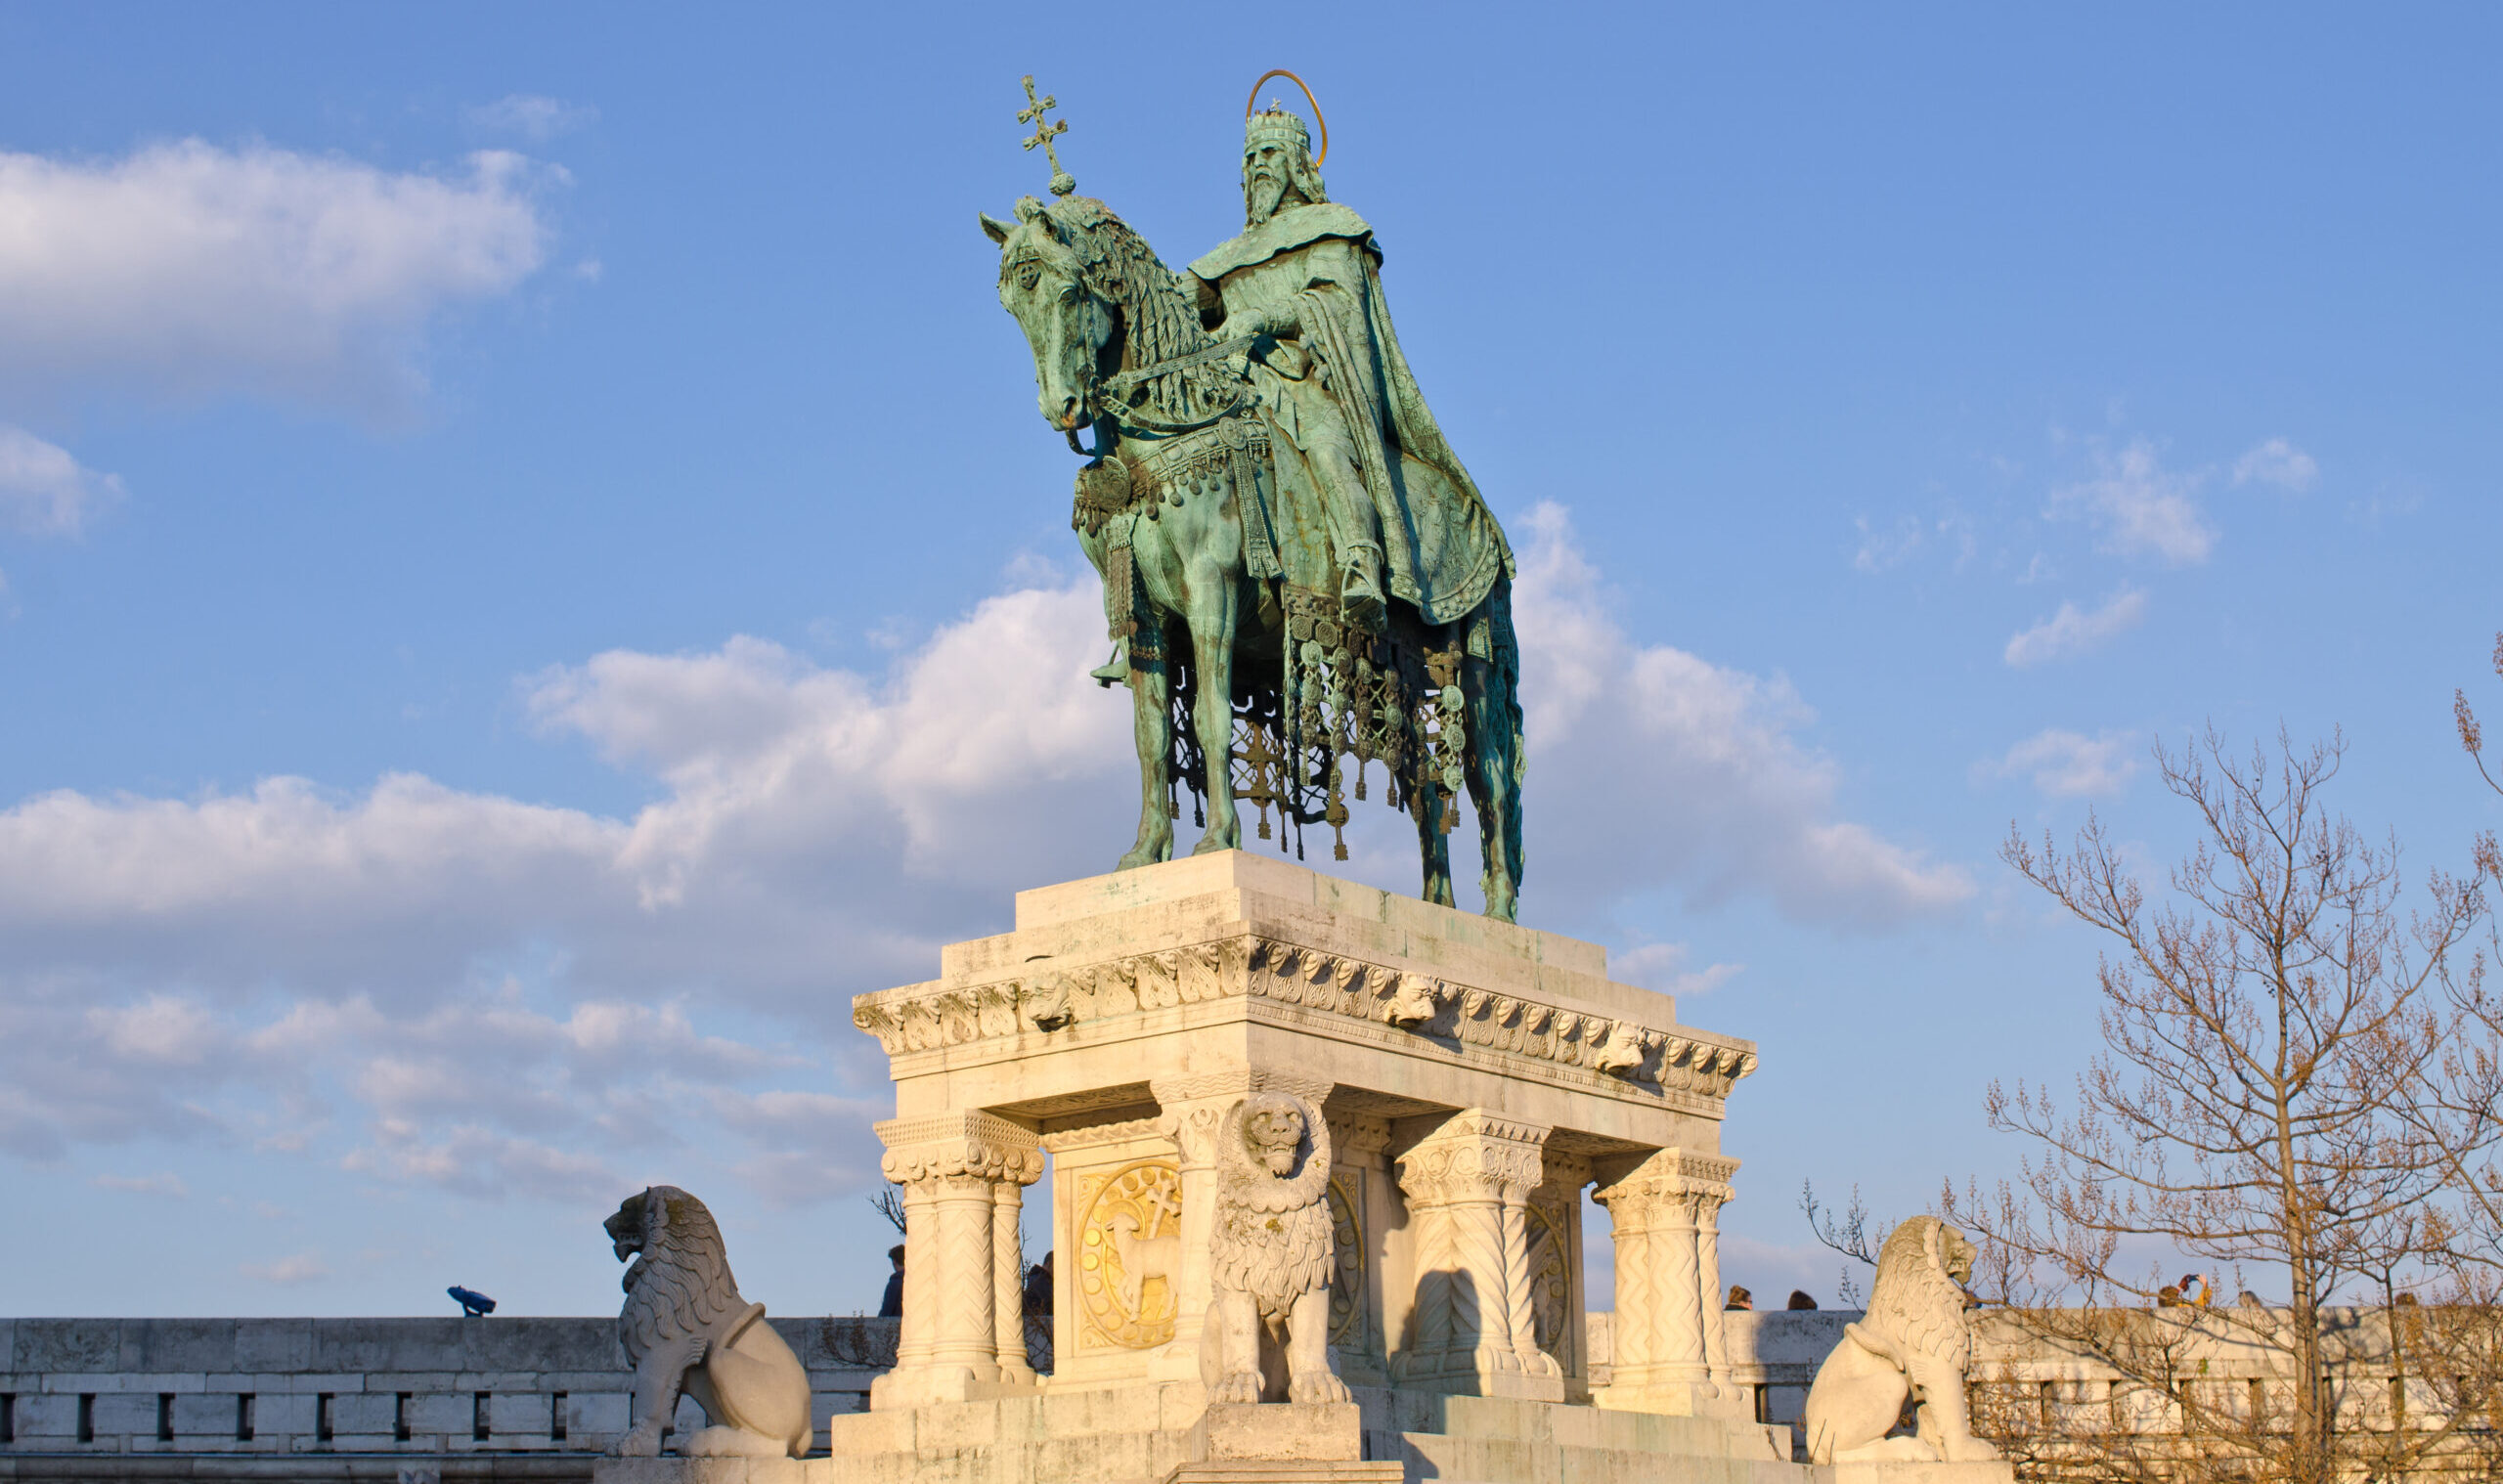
[1297,568]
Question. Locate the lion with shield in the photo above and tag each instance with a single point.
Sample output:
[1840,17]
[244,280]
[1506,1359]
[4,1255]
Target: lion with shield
[1270,1257]
[1913,1345]
[684,1327]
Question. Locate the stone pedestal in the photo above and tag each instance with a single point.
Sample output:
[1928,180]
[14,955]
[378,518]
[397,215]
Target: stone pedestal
[1476,1076]
[1322,1443]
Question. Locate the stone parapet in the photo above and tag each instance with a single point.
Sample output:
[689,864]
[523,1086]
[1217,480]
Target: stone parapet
[276,1389]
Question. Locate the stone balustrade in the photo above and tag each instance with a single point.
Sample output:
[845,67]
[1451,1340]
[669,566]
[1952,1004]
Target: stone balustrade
[286,1387]
[536,1398]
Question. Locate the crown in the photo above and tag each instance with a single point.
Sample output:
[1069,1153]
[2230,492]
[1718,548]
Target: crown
[1274,125]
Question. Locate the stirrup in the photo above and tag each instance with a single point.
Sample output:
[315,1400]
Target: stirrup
[1115,671]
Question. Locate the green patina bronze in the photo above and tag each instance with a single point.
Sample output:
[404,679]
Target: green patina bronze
[1300,579]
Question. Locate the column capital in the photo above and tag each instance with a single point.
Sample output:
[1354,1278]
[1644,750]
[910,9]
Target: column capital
[966,1142]
[1474,1154]
[1355,1139]
[1688,1178]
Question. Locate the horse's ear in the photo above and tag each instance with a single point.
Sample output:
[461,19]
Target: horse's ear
[993,228]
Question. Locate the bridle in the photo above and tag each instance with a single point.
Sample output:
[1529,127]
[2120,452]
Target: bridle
[1113,396]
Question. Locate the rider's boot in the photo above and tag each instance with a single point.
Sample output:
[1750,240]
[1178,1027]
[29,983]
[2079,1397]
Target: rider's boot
[1360,595]
[1115,671]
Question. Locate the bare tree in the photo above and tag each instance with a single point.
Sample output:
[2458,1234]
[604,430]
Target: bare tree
[1848,1233]
[2260,1103]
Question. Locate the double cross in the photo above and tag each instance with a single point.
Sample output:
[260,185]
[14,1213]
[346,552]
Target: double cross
[1032,114]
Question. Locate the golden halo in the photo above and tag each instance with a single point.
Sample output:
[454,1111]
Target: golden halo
[1253,102]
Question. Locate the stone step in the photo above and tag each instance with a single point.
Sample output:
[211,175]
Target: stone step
[1580,1427]
[1497,1460]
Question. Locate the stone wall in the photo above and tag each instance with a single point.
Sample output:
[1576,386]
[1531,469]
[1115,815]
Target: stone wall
[284,1387]
[498,1392]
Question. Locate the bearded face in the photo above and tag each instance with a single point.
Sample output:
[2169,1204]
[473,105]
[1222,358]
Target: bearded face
[1268,179]
[1274,1134]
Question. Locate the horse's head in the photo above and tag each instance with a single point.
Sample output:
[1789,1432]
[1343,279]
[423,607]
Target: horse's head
[1069,321]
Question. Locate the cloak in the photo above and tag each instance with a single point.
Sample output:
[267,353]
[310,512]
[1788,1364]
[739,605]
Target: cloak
[1442,547]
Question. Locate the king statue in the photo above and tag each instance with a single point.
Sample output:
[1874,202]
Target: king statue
[1301,581]
[1304,280]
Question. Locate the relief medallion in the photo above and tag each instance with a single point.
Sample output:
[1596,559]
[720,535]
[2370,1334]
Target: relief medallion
[1129,1255]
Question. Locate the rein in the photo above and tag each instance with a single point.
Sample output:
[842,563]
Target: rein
[1118,390]
[1122,384]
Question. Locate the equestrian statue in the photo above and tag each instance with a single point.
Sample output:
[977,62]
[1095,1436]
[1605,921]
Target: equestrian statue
[1300,579]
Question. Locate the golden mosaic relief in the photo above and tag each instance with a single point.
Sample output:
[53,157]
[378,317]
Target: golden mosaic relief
[1129,1255]
[1551,1281]
[1347,1261]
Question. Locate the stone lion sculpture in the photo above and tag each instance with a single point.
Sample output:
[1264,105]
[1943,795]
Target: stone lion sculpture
[684,1327]
[1911,1344]
[1270,1253]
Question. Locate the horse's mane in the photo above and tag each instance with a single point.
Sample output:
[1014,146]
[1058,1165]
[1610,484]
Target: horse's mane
[1162,319]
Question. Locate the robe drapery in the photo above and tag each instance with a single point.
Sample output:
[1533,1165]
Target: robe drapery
[1441,546]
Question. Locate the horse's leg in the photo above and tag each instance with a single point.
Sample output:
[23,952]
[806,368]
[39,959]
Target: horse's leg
[1151,730]
[1214,606]
[1434,846]
[1487,679]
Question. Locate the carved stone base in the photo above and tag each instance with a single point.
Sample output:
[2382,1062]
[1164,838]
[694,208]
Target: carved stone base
[1902,1472]
[1147,1434]
[1673,1399]
[1282,1442]
[1494,1374]
[1284,1471]
[928,1385]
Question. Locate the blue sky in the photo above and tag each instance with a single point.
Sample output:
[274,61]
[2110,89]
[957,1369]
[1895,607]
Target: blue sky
[532,572]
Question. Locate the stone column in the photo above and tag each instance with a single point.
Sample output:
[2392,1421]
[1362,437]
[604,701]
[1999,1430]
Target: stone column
[1008,1288]
[919,1325]
[1356,1144]
[1707,1249]
[1560,1201]
[1466,1184]
[960,1170]
[1192,1110]
[1668,1301]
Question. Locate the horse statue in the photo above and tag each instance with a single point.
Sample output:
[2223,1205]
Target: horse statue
[1248,681]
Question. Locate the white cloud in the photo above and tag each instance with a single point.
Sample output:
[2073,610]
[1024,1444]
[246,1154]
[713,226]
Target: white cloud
[2068,764]
[1663,966]
[1653,767]
[194,270]
[1898,542]
[462,991]
[534,117]
[2073,631]
[2140,508]
[1880,549]
[2278,462]
[301,1268]
[164,1183]
[43,491]
[475,994]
